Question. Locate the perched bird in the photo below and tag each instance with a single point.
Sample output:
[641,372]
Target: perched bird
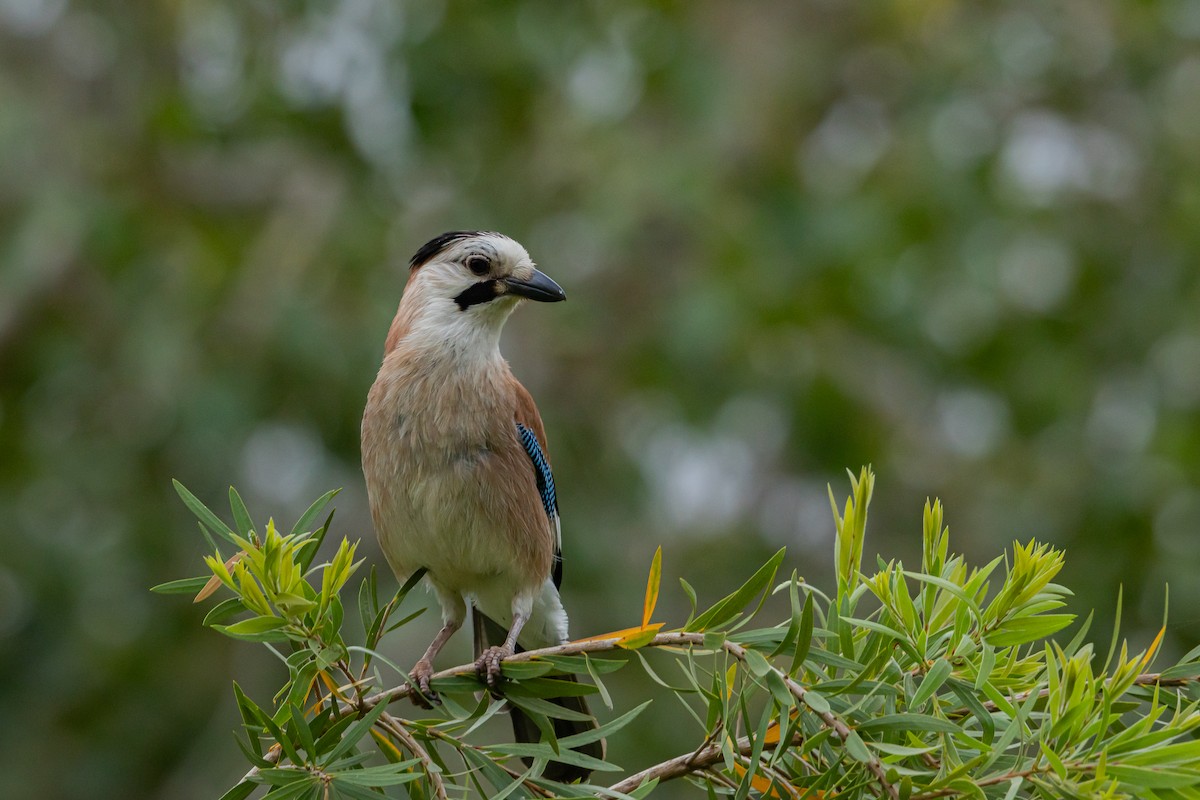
[457,470]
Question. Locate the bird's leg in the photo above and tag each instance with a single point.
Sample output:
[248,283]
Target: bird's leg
[454,611]
[487,666]
[424,696]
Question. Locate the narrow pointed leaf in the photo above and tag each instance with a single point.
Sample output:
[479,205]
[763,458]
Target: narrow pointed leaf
[207,518]
[182,586]
[652,584]
[932,681]
[241,515]
[310,515]
[732,605]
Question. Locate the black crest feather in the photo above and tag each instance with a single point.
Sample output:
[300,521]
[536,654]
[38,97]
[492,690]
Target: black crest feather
[436,245]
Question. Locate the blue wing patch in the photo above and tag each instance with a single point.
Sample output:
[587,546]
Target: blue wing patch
[545,480]
[545,486]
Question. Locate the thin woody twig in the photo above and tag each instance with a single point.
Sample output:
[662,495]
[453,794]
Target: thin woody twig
[699,760]
[460,745]
[395,728]
[670,639]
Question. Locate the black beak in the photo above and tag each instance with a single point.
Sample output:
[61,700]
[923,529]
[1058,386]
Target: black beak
[538,287]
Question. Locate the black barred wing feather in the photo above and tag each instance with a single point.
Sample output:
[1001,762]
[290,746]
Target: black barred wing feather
[545,486]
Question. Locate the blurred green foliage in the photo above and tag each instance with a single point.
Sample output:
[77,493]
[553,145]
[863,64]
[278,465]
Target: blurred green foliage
[954,240]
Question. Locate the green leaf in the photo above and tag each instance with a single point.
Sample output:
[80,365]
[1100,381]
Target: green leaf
[332,736]
[251,713]
[457,684]
[857,748]
[524,670]
[932,681]
[516,784]
[902,750]
[241,516]
[691,594]
[757,662]
[585,663]
[816,702]
[987,663]
[1023,630]
[952,588]
[1190,669]
[878,627]
[313,544]
[907,722]
[804,637]
[382,775]
[1056,762]
[1187,751]
[644,790]
[207,518]
[298,727]
[1077,640]
[239,791]
[368,600]
[793,628]
[1155,777]
[728,608]
[779,690]
[256,629]
[313,511]
[285,776]
[374,654]
[547,708]
[285,742]
[600,687]
[224,610]
[963,691]
[564,755]
[605,730]
[375,632]
[294,604]
[1116,634]
[345,790]
[486,765]
[356,731]
[181,586]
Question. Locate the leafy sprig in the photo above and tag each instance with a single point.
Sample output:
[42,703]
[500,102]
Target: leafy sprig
[929,683]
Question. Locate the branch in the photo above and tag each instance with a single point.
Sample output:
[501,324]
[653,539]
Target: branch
[831,721]
[395,728]
[670,639]
[697,760]
[460,745]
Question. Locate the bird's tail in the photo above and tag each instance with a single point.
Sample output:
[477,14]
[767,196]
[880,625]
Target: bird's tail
[487,633]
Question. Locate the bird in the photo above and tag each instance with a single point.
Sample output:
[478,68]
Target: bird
[457,467]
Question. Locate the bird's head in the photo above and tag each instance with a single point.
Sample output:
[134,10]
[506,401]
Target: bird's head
[464,284]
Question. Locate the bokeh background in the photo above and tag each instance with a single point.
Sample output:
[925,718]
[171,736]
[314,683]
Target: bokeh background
[957,241]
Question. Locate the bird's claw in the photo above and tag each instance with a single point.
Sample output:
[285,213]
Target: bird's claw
[487,666]
[422,695]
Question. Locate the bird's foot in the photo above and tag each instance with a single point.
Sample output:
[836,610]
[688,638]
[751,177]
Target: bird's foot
[422,695]
[487,666]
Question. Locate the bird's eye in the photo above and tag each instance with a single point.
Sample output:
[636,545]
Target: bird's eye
[479,265]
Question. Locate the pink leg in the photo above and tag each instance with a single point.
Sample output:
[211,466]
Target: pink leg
[487,666]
